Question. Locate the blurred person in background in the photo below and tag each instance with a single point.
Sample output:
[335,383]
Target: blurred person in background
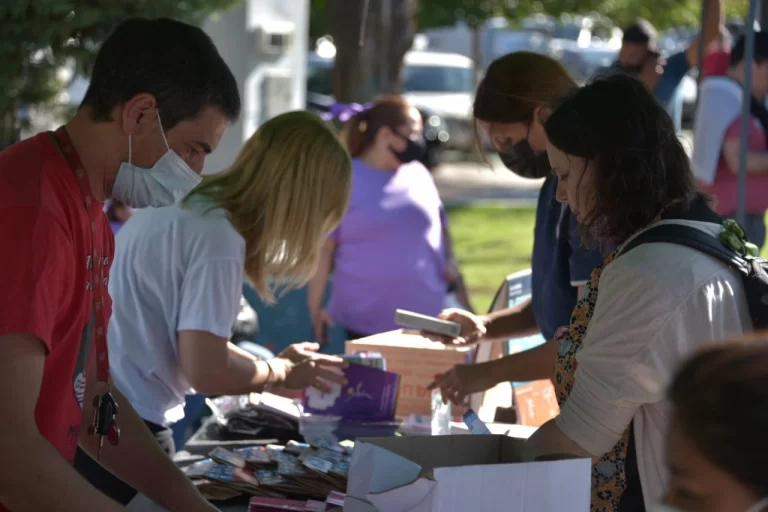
[117,214]
[717,439]
[178,273]
[390,250]
[718,57]
[639,56]
[159,99]
[508,107]
[621,169]
[717,139]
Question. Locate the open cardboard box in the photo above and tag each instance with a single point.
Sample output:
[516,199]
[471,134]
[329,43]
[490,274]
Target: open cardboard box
[462,473]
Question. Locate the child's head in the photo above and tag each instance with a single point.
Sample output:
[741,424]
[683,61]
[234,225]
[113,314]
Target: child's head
[287,189]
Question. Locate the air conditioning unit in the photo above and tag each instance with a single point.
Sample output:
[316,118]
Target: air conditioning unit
[275,37]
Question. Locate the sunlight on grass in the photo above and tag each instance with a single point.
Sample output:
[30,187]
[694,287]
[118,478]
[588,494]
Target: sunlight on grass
[491,241]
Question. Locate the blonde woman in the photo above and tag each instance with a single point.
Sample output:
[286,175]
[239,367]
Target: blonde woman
[178,274]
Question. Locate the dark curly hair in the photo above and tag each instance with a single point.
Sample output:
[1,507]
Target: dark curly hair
[720,401]
[641,167]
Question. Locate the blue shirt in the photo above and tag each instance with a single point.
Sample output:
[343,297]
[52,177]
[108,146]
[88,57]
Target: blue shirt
[560,263]
[668,90]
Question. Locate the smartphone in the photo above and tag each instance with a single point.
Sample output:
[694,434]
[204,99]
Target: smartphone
[427,323]
[475,424]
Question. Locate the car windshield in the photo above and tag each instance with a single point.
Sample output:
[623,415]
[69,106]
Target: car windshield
[438,79]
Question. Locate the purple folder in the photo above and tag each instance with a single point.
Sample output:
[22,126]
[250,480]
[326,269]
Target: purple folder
[370,395]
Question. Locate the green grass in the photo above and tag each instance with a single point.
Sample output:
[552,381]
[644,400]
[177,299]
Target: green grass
[492,241]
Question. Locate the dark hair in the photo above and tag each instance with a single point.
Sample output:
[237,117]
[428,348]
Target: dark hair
[515,85]
[360,131]
[175,62]
[720,401]
[761,49]
[641,167]
[641,31]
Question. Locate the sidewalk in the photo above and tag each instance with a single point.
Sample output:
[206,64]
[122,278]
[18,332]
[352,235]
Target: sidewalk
[470,182]
[461,183]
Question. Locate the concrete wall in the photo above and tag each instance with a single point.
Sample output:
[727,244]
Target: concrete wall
[237,35]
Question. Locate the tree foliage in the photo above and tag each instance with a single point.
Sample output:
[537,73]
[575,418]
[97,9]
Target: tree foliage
[38,37]
[442,13]
[662,13]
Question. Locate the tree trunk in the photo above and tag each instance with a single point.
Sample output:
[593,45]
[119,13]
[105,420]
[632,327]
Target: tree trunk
[401,33]
[344,20]
[477,55]
[360,73]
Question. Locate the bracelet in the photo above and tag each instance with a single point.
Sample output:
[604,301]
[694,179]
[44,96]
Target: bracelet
[270,377]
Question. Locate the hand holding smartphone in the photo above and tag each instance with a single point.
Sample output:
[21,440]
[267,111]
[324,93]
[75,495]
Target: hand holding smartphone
[427,323]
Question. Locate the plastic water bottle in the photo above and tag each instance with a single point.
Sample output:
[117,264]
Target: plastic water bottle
[441,415]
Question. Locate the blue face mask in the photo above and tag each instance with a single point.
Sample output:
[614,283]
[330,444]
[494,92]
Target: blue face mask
[163,184]
[663,507]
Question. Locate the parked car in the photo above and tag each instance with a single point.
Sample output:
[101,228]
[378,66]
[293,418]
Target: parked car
[443,84]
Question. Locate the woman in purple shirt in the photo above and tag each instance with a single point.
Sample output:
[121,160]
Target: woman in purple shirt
[390,250]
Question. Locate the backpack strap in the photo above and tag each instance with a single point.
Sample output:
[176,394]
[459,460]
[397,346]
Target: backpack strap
[680,234]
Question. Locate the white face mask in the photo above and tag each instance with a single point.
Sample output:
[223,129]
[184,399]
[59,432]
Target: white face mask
[167,181]
[757,507]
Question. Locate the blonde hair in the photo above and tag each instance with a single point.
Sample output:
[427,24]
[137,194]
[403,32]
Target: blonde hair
[287,189]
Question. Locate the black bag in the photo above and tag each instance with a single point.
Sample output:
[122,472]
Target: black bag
[753,271]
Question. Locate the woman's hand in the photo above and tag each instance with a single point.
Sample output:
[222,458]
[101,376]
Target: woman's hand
[321,320]
[463,380]
[472,328]
[310,372]
[299,352]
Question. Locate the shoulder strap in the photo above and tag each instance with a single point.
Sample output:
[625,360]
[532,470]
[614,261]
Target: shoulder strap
[689,237]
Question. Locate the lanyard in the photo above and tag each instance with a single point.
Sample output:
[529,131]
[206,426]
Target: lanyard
[97,281]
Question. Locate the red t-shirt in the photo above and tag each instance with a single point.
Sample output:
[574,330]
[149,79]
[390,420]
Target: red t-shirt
[45,288]
[716,63]
[725,188]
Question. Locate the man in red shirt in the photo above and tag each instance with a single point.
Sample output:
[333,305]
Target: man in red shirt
[159,100]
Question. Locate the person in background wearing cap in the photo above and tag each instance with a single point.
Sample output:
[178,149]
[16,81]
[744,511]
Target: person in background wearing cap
[159,100]
[639,55]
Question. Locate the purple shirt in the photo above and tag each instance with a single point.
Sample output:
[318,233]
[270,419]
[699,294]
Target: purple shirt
[390,250]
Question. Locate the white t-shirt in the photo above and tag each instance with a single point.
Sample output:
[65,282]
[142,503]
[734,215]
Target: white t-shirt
[174,270]
[656,305]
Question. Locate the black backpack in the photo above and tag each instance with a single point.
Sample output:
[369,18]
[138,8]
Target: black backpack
[753,271]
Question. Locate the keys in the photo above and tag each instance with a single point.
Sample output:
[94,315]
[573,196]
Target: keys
[104,422]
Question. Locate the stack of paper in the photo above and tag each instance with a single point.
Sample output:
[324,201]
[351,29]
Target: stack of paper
[296,470]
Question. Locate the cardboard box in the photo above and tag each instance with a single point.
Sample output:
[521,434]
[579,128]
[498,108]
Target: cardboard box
[462,473]
[417,360]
